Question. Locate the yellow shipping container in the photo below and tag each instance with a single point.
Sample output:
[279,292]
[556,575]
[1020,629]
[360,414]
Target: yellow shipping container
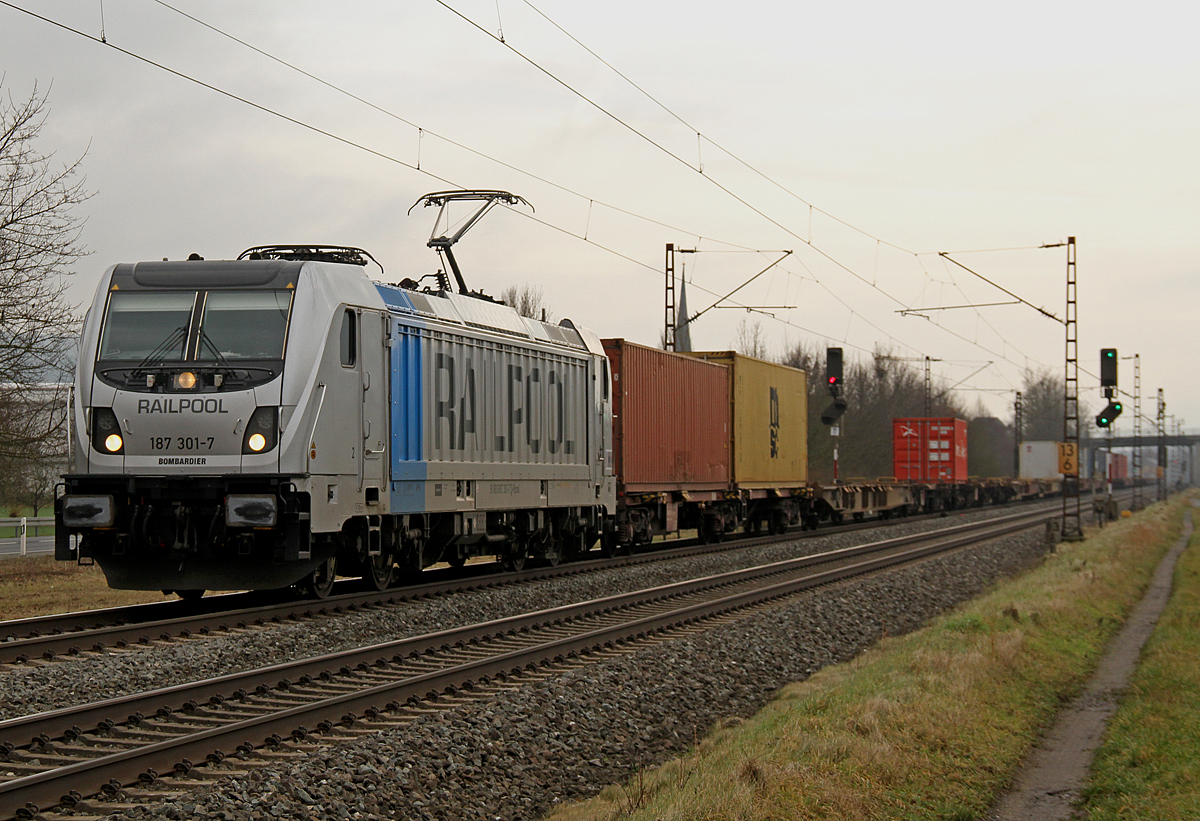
[769,440]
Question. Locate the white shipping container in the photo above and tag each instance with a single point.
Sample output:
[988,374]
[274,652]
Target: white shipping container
[1039,460]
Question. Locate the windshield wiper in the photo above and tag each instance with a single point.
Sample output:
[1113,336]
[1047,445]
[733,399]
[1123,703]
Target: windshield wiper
[156,355]
[206,341]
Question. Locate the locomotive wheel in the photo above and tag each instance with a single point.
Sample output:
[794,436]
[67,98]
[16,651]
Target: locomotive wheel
[379,571]
[319,583]
[514,559]
[189,595]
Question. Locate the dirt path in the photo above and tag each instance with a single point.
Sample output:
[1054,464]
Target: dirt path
[1057,769]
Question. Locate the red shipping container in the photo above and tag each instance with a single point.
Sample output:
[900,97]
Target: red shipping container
[671,418]
[930,449]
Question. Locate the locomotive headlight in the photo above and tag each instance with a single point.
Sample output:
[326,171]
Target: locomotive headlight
[185,380]
[262,431]
[106,431]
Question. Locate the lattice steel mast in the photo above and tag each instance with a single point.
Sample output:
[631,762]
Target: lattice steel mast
[1072,517]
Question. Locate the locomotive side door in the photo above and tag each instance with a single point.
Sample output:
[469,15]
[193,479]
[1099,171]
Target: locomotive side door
[601,419]
[374,377]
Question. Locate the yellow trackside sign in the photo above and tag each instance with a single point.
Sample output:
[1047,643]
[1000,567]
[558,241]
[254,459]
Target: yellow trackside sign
[1068,458]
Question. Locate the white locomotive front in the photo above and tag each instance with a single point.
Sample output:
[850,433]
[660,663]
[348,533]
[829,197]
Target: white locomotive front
[282,419]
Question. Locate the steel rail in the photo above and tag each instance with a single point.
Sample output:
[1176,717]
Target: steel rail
[46,788]
[58,722]
[69,634]
[249,603]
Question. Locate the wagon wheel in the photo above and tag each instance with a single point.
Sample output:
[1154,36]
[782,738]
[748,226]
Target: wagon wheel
[379,571]
[319,583]
[550,549]
[778,523]
[514,558]
[189,595]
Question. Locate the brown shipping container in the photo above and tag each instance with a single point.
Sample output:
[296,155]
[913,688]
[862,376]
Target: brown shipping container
[670,420]
[770,421]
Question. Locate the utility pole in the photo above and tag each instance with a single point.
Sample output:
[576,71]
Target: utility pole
[928,388]
[1162,447]
[1018,426]
[1135,470]
[669,318]
[1072,517]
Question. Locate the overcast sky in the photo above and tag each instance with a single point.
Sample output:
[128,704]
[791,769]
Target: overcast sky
[865,137]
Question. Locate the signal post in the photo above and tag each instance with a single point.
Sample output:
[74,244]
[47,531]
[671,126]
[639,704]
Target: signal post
[833,379]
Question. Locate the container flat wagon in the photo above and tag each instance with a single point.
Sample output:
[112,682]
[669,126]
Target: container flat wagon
[671,449]
[769,446]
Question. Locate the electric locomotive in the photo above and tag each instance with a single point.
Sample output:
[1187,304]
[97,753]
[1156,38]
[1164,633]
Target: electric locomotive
[281,419]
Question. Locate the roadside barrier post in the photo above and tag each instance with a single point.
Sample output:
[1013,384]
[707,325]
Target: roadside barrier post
[24,530]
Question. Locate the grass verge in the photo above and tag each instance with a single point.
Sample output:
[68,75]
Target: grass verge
[37,585]
[1148,766]
[929,725]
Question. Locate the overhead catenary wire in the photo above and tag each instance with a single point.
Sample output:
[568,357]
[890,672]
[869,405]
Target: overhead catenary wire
[383,155]
[668,152]
[423,131]
[873,283]
[390,158]
[702,138]
[808,241]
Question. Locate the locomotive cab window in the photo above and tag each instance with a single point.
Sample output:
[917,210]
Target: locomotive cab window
[348,339]
[141,324]
[243,325]
[221,339]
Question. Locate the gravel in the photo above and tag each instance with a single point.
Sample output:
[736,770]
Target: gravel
[565,737]
[65,683]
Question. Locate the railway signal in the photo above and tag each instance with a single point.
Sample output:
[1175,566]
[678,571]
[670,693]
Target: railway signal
[1110,413]
[832,413]
[833,378]
[833,372]
[1108,381]
[1108,367]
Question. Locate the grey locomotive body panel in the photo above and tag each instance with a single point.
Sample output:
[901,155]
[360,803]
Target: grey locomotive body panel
[239,424]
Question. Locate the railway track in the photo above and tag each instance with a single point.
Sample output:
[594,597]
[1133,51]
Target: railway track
[45,639]
[231,722]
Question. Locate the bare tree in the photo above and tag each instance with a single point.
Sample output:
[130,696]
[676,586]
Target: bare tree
[1042,402]
[39,244]
[876,391]
[527,300]
[751,340]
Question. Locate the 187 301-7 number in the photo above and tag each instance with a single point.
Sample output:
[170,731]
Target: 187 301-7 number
[182,442]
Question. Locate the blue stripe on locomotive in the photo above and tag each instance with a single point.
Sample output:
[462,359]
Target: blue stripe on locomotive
[409,468]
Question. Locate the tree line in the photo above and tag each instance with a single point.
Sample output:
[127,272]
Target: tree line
[883,386]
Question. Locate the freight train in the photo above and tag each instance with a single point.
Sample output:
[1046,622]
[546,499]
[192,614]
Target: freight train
[282,419]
